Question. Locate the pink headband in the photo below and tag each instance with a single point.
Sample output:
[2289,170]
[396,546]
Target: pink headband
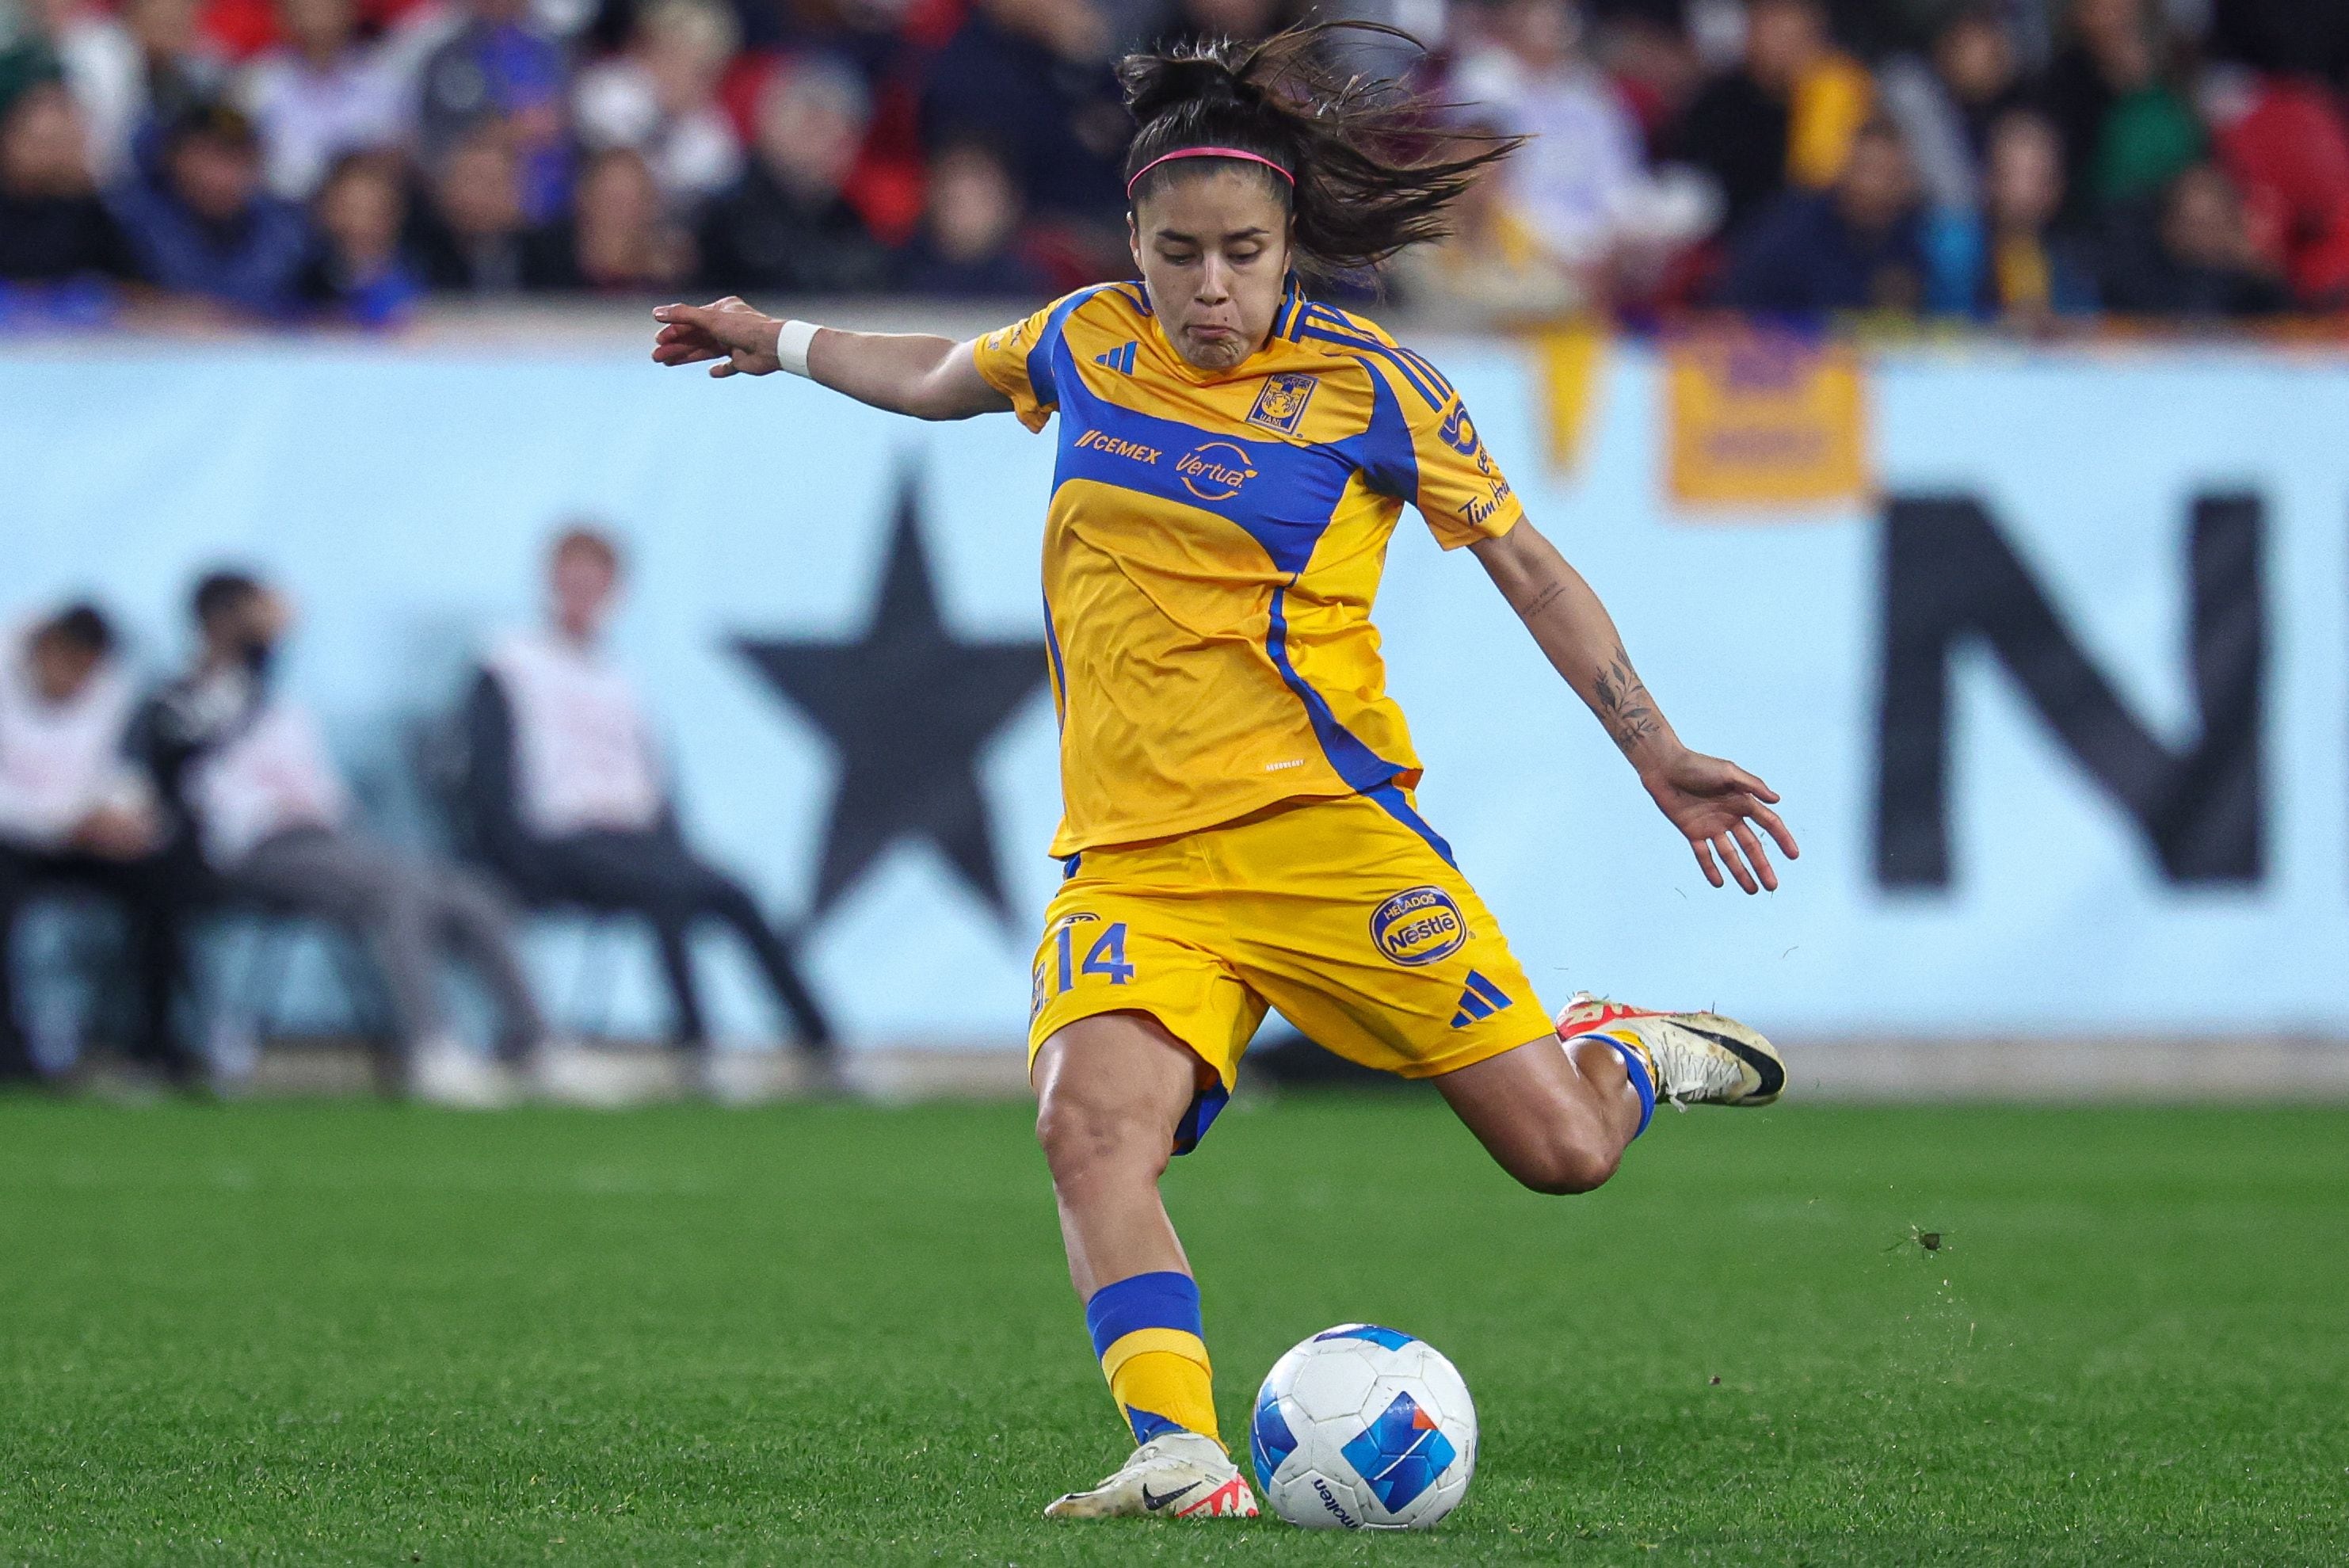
[1206,152]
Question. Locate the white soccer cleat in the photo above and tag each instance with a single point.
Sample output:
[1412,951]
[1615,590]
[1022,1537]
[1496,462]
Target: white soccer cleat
[444,1072]
[1180,1475]
[1700,1058]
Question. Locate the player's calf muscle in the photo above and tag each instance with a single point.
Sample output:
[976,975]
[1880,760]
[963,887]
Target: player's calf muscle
[1555,1120]
[1559,1157]
[1565,1169]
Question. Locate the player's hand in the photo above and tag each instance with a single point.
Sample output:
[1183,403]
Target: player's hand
[1718,805]
[742,340]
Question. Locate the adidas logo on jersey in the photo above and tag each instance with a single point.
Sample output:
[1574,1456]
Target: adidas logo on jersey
[1120,359]
[1480,1001]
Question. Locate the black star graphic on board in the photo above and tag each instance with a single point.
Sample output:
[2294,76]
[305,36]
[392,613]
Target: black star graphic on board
[908,706]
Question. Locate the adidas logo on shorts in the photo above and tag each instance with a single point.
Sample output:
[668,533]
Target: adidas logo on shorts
[1480,1001]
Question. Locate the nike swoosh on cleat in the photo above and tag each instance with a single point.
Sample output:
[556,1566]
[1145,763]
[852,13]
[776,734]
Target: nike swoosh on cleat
[1154,1501]
[1773,1076]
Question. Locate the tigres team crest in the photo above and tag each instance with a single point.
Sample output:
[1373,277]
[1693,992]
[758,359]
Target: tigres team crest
[1280,406]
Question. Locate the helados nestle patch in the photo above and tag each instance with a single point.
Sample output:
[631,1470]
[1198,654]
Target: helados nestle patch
[1419,925]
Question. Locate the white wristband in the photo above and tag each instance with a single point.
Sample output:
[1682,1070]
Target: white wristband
[791,345]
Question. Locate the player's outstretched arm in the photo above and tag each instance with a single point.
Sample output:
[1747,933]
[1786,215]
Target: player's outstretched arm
[906,373]
[1713,801]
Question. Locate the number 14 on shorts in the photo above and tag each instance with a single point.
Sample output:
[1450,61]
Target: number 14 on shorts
[1060,968]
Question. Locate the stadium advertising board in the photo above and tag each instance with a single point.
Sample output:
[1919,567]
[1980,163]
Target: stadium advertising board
[2061,713]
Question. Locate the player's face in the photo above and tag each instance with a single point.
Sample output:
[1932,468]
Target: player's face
[1213,248]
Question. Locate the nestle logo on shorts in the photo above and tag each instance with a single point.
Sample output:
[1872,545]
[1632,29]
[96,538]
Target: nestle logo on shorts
[1419,926]
[1215,470]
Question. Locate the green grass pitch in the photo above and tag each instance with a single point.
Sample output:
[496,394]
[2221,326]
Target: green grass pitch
[840,1333]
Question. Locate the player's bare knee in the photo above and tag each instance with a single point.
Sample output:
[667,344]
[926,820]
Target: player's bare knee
[1084,1141]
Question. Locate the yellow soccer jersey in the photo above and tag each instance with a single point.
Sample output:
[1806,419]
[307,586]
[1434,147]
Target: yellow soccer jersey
[1212,550]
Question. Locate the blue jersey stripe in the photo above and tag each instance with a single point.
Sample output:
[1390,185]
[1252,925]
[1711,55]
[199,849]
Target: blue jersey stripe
[1361,768]
[1427,390]
[1430,371]
[1292,307]
[1060,671]
[1321,328]
[1384,452]
[1398,805]
[1043,359]
[1425,379]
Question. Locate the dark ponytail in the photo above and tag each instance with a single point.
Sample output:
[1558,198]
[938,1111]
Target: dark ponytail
[1360,150]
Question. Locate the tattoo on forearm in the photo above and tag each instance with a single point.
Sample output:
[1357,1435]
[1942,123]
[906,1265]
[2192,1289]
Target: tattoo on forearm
[1546,598]
[1624,705]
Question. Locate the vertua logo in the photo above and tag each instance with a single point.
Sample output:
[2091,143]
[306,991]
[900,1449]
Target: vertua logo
[1215,470]
[1419,926]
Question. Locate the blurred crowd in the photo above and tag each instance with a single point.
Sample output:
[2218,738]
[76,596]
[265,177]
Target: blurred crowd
[211,794]
[2020,161]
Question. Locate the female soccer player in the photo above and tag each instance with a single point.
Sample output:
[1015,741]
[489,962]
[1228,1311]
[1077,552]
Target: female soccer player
[1240,827]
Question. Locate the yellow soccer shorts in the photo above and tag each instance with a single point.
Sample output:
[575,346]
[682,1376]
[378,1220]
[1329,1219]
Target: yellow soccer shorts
[1347,914]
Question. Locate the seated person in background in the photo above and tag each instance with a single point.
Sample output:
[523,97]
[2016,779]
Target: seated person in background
[320,95]
[969,245]
[1034,81]
[2011,262]
[567,798]
[2116,90]
[618,238]
[1788,116]
[74,811]
[208,229]
[496,66]
[473,235]
[660,99]
[2200,262]
[2284,143]
[1579,179]
[1859,246]
[133,68]
[53,227]
[249,774]
[357,273]
[787,226]
[1949,101]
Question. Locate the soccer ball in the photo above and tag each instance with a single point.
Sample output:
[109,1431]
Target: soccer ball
[1364,1428]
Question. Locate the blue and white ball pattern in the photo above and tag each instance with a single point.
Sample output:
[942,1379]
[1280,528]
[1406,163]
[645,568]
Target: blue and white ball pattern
[1364,1428]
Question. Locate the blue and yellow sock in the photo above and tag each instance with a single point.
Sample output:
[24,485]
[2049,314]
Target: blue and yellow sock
[1636,1066]
[1147,1331]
